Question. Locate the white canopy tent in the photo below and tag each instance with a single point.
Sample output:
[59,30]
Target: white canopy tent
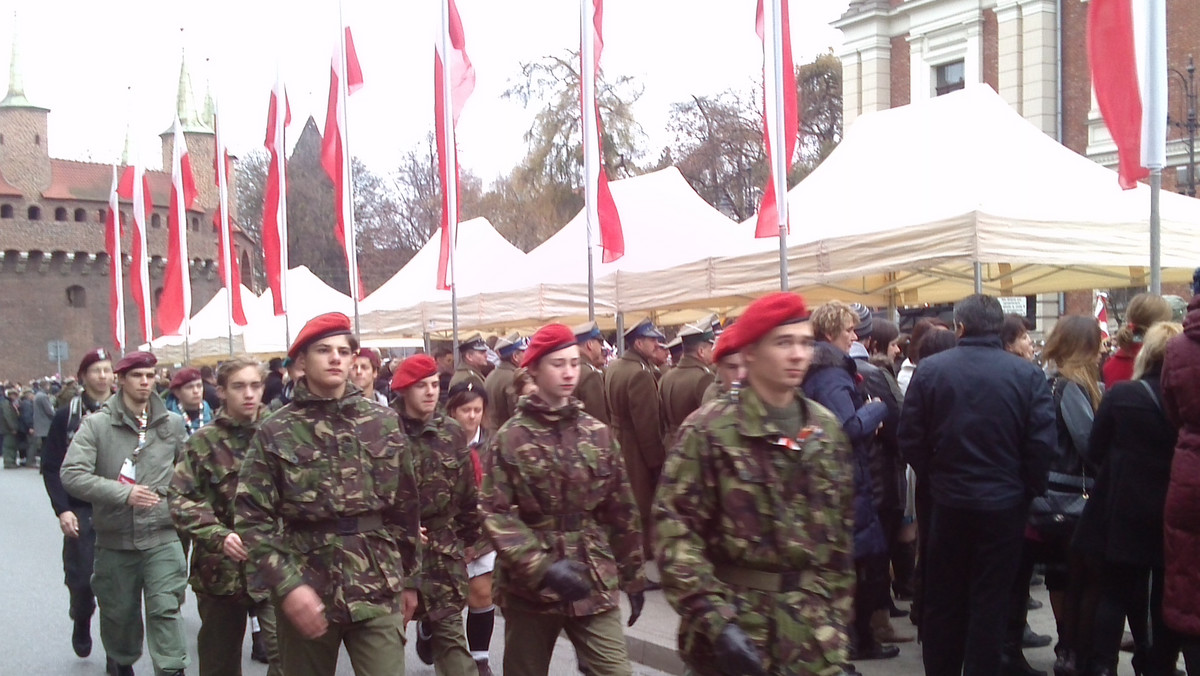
[208,330]
[307,297]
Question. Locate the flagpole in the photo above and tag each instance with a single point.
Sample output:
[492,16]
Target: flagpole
[1155,128]
[281,217]
[223,204]
[587,79]
[451,182]
[348,172]
[780,161]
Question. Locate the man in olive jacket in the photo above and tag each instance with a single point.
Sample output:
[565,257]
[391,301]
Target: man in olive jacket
[121,460]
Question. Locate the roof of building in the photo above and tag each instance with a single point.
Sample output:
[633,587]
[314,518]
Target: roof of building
[7,189]
[92,181]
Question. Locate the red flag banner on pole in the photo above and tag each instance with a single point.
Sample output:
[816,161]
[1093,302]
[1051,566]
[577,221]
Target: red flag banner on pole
[602,212]
[175,306]
[227,260]
[450,64]
[333,154]
[1102,313]
[112,245]
[274,220]
[136,188]
[1126,49]
[779,134]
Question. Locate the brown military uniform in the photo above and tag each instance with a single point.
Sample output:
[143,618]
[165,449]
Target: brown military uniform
[636,422]
[500,402]
[465,372]
[681,391]
[590,391]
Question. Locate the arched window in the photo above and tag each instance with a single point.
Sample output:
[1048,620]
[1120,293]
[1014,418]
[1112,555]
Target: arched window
[34,213]
[80,215]
[155,221]
[37,139]
[158,296]
[60,214]
[247,270]
[6,211]
[195,224]
[76,296]
[102,215]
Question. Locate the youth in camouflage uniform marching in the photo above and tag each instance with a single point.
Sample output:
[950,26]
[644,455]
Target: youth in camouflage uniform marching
[590,390]
[450,516]
[565,528]
[328,509]
[121,461]
[472,356]
[510,349]
[682,388]
[755,515]
[728,365]
[201,497]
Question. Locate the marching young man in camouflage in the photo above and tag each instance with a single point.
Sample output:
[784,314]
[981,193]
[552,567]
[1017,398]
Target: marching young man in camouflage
[755,514]
[201,498]
[327,508]
[562,518]
[450,516]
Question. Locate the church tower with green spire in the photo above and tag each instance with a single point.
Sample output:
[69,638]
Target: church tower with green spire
[200,143]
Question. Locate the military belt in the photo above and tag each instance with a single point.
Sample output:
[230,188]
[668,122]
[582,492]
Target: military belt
[758,580]
[562,522]
[346,525]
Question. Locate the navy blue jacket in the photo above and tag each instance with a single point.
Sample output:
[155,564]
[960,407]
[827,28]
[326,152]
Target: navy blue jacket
[979,425]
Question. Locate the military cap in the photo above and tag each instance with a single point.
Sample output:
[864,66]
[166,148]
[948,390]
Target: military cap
[510,344]
[136,360]
[765,314]
[549,338]
[319,328]
[675,342]
[863,328]
[587,331]
[725,341]
[372,355]
[473,342]
[691,334]
[413,370]
[644,329]
[184,376]
[95,356]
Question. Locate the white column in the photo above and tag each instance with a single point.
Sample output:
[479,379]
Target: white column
[851,87]
[1040,72]
[1010,53]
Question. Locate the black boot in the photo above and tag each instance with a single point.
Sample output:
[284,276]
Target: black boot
[258,648]
[425,642]
[111,668]
[873,650]
[1031,639]
[1013,663]
[81,636]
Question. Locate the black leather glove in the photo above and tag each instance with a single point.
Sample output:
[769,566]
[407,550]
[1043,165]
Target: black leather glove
[637,601]
[736,654]
[569,579]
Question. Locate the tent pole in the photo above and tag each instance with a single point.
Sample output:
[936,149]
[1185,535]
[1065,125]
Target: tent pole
[1155,233]
[620,334]
[783,261]
[591,281]
[978,277]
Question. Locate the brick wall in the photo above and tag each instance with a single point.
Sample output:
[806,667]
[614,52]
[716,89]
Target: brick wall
[24,158]
[991,49]
[901,72]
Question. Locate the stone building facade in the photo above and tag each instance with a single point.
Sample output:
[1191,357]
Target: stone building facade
[54,283]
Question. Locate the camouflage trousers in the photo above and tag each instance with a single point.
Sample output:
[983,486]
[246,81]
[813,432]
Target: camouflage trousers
[599,642]
[375,646]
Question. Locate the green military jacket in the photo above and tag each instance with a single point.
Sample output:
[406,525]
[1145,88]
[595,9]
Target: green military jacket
[10,420]
[449,510]
[555,488]
[500,403]
[738,499]
[590,391]
[633,409]
[317,472]
[465,372]
[681,391]
[201,498]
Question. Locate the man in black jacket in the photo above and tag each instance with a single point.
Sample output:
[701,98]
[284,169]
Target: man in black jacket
[978,427]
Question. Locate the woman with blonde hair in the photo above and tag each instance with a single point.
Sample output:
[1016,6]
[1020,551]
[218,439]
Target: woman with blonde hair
[1122,525]
[1145,310]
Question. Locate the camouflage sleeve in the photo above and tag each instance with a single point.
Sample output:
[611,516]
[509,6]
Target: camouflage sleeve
[685,506]
[191,505]
[524,558]
[404,515]
[619,513]
[257,520]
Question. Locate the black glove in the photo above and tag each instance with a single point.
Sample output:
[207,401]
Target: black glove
[637,601]
[736,654]
[569,579]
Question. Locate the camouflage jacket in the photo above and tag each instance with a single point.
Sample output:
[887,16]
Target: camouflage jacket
[201,496]
[449,510]
[320,463]
[681,391]
[737,498]
[556,489]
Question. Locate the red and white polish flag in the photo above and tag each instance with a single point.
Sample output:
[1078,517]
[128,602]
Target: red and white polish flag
[112,245]
[1102,313]
[227,260]
[175,306]
[136,188]
[450,64]
[274,219]
[333,154]
[601,208]
[779,134]
[1126,41]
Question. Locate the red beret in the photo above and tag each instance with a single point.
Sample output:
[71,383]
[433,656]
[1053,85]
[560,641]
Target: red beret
[372,355]
[95,356]
[318,328]
[763,315]
[727,338]
[184,376]
[136,360]
[549,338]
[412,370]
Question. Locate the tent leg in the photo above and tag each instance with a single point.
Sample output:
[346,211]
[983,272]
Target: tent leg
[978,277]
[620,334]
[1155,233]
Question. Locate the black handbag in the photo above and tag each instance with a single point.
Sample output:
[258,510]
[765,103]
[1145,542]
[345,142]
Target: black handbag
[1055,513]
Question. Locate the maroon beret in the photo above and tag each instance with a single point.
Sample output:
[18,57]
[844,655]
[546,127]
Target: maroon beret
[765,314]
[727,338]
[95,356]
[372,355]
[318,328]
[136,360]
[549,338]
[184,376]
[413,370]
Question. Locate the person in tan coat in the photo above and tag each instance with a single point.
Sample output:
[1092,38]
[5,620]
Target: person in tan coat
[681,389]
[502,405]
[590,389]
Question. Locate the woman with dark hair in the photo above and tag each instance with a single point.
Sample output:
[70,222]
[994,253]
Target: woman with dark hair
[937,340]
[883,345]
[1144,311]
[914,344]
[1015,336]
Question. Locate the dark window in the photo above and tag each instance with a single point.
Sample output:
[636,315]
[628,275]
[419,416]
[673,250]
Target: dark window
[1,139]
[80,215]
[951,77]
[60,214]
[6,211]
[102,215]
[155,221]
[195,224]
[35,213]
[76,296]
[158,296]
[37,139]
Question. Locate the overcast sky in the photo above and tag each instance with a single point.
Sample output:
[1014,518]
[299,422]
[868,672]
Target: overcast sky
[104,66]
